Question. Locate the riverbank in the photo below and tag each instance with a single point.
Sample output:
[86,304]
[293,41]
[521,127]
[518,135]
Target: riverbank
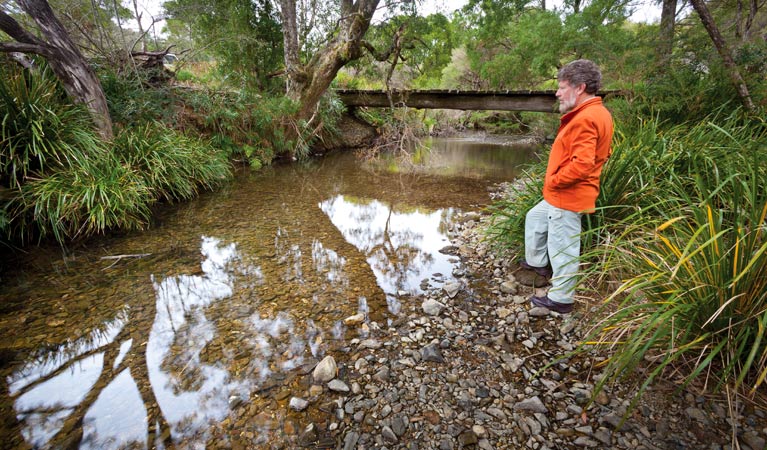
[460,369]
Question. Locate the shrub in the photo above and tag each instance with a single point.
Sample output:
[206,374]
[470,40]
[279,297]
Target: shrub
[94,195]
[40,131]
[694,295]
[59,177]
[133,101]
[173,166]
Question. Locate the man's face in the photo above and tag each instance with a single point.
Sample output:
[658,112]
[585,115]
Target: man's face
[567,96]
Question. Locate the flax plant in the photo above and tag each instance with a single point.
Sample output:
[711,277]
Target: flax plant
[97,194]
[696,297]
[173,166]
[39,130]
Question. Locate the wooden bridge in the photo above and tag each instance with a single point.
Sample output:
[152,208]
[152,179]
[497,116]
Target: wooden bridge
[537,101]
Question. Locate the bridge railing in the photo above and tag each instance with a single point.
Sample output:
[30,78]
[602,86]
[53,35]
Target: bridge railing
[538,101]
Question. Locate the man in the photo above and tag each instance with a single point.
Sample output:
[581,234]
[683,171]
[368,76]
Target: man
[571,186]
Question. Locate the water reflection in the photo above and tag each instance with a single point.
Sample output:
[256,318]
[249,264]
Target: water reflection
[135,385]
[402,247]
[476,156]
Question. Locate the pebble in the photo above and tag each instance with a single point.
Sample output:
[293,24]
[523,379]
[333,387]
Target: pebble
[533,404]
[432,307]
[326,370]
[298,404]
[338,386]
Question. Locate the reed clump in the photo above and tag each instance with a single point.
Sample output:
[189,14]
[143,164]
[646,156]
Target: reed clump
[59,178]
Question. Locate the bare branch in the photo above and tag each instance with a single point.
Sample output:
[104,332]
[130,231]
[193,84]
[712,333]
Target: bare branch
[37,49]
[12,28]
[144,33]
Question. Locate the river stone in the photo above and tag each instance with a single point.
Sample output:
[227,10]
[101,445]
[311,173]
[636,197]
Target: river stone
[338,386]
[698,415]
[372,344]
[298,404]
[452,288]
[509,287]
[533,404]
[308,436]
[399,425]
[567,326]
[382,375]
[754,440]
[503,313]
[584,441]
[467,438]
[432,307]
[355,319]
[350,440]
[449,250]
[389,435]
[326,370]
[538,312]
[235,401]
[431,353]
[530,278]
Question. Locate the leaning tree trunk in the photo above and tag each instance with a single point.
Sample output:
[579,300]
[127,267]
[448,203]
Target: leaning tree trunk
[307,83]
[724,52]
[63,56]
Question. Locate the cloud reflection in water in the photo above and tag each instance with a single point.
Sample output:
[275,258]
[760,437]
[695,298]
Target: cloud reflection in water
[402,248]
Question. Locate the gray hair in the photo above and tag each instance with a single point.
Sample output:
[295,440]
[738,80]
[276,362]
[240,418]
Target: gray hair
[582,71]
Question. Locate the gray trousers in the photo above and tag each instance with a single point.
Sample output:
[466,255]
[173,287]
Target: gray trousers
[552,235]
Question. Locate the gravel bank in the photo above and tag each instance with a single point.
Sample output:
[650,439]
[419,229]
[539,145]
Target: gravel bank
[458,370]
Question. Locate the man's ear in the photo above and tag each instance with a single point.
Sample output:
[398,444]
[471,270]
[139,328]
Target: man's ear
[581,88]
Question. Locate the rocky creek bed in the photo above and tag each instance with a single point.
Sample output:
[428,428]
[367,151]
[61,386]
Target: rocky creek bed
[459,369]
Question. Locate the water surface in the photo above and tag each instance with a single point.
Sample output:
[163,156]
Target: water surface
[155,338]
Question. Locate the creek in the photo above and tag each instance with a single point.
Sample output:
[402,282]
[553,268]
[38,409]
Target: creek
[150,339]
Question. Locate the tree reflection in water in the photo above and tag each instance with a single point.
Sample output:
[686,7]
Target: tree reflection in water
[159,376]
[402,248]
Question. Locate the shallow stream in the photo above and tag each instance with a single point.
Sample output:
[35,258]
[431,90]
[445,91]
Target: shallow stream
[149,339]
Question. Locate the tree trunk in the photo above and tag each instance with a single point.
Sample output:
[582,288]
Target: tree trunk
[63,56]
[667,22]
[724,52]
[290,43]
[307,83]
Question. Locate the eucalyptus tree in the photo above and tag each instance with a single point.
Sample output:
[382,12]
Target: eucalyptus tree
[518,44]
[307,79]
[409,50]
[47,37]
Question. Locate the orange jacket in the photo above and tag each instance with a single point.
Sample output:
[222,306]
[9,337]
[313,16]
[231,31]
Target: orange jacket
[580,150]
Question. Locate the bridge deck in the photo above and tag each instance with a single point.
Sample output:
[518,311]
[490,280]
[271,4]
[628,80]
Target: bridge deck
[539,101]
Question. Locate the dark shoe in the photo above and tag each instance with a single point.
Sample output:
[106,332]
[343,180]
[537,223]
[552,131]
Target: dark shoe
[546,272]
[551,305]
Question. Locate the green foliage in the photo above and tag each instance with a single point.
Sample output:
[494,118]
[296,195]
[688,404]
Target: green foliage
[254,127]
[696,293]
[172,166]
[184,75]
[133,101]
[93,195]
[39,131]
[524,60]
[245,37]
[60,177]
